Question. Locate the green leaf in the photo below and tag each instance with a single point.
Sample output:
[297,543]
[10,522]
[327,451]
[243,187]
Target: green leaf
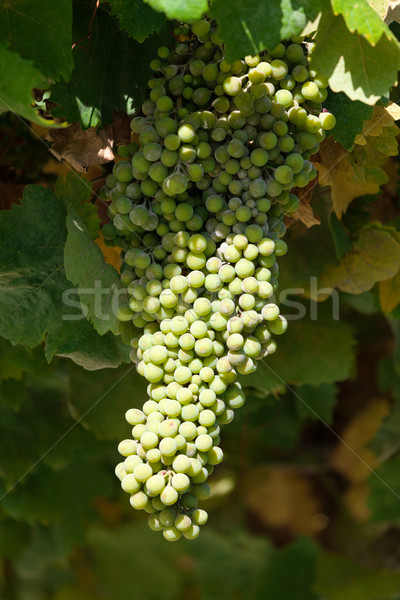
[339,578]
[387,441]
[384,495]
[110,74]
[340,238]
[375,257]
[40,33]
[76,190]
[352,65]
[313,351]
[36,299]
[302,262]
[98,282]
[15,360]
[316,403]
[46,495]
[350,116]
[214,555]
[42,429]
[32,235]
[395,325]
[298,559]
[274,422]
[120,389]
[12,392]
[78,341]
[366,303]
[13,538]
[182,10]
[361,17]
[17,79]
[250,27]
[136,18]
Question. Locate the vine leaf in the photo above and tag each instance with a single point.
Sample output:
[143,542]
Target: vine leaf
[381,117]
[359,172]
[349,174]
[17,79]
[352,65]
[76,190]
[182,10]
[110,72]
[311,352]
[103,423]
[37,302]
[388,10]
[361,17]
[32,236]
[112,254]
[250,27]
[314,250]
[98,282]
[78,341]
[40,33]
[82,148]
[137,18]
[15,360]
[305,213]
[375,256]
[383,505]
[351,456]
[350,116]
[339,236]
[389,293]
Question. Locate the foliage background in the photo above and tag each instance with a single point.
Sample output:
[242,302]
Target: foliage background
[306,504]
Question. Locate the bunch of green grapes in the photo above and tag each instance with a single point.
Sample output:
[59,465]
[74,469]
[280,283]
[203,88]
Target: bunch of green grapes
[198,209]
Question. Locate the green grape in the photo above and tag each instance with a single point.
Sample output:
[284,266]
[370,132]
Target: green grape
[168,158]
[142,472]
[123,171]
[219,148]
[327,120]
[283,174]
[310,90]
[139,500]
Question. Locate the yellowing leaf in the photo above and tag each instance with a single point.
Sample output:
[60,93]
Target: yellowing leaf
[389,293]
[359,172]
[112,254]
[349,174]
[284,497]
[388,10]
[375,257]
[381,117]
[355,500]
[394,110]
[351,457]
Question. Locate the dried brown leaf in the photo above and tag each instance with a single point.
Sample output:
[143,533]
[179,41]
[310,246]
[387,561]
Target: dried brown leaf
[82,148]
[305,212]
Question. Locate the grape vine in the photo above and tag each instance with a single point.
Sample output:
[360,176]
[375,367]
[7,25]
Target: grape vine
[197,203]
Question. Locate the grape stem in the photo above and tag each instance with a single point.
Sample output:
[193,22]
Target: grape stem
[89,33]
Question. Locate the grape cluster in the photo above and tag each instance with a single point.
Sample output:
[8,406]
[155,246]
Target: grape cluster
[198,209]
